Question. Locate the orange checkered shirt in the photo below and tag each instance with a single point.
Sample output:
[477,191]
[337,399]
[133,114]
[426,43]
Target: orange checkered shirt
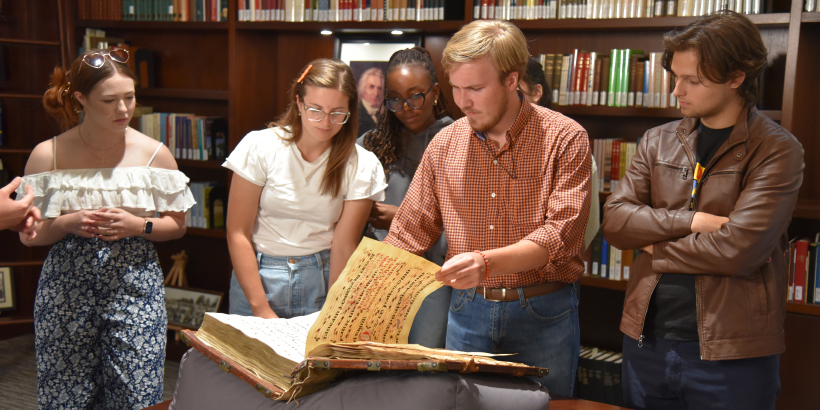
[536,187]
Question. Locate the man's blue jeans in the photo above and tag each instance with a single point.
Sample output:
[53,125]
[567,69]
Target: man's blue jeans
[543,331]
[666,374]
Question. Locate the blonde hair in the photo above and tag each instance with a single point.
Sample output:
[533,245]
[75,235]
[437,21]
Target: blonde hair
[501,41]
[336,75]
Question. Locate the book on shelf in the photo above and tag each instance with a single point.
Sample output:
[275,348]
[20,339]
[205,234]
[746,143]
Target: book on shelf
[608,9]
[187,136]
[349,10]
[210,209]
[803,270]
[810,6]
[153,10]
[599,376]
[364,324]
[608,262]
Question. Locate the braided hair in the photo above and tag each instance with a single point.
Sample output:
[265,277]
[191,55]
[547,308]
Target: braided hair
[386,139]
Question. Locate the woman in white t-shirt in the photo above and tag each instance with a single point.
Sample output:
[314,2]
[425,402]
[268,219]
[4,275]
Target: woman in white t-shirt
[300,197]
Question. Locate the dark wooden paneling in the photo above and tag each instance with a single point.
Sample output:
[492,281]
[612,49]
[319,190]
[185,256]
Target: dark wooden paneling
[253,92]
[798,366]
[806,121]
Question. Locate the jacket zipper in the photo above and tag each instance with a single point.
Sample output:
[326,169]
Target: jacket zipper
[684,171]
[706,170]
[646,310]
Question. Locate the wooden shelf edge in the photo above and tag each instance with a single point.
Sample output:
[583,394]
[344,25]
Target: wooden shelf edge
[807,209]
[604,283]
[189,163]
[607,111]
[442,26]
[810,17]
[20,42]
[151,25]
[11,320]
[21,151]
[211,233]
[183,93]
[803,308]
[18,264]
[22,96]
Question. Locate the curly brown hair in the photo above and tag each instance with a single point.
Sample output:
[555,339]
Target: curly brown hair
[385,140]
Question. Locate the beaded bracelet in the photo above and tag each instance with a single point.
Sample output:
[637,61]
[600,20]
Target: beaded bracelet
[486,263]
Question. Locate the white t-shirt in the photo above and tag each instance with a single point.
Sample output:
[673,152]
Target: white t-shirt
[294,219]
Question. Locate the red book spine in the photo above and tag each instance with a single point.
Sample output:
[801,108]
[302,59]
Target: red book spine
[801,270]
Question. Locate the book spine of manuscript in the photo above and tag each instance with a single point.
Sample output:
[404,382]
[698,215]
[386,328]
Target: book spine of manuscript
[267,389]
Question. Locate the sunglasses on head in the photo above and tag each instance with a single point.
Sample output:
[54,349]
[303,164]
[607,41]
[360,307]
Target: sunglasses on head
[97,60]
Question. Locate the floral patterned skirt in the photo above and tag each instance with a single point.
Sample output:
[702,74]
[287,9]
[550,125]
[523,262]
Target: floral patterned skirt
[100,325]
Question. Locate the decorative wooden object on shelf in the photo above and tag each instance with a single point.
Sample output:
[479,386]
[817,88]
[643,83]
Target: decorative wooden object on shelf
[176,276]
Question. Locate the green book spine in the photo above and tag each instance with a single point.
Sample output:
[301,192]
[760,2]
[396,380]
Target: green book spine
[612,87]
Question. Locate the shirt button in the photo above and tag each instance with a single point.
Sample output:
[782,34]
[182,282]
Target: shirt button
[292,260]
[493,195]
[491,227]
[495,161]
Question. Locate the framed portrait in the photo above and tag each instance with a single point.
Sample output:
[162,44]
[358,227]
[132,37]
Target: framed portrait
[367,56]
[187,307]
[7,299]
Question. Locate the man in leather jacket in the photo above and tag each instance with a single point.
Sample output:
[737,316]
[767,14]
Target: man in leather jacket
[708,199]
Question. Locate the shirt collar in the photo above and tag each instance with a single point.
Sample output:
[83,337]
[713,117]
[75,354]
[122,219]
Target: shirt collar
[517,126]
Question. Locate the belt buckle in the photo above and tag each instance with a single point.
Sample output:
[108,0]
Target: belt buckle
[503,295]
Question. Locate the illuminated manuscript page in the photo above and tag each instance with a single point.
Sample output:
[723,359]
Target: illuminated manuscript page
[376,297]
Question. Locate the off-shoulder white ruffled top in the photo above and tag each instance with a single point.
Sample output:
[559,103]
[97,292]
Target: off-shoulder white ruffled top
[141,191]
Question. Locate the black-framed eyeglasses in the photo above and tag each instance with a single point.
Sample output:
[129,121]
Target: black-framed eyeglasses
[315,115]
[97,60]
[415,101]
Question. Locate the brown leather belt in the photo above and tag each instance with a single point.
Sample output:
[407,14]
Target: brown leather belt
[510,294]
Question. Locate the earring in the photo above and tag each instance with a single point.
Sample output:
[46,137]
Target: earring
[435,102]
[81,111]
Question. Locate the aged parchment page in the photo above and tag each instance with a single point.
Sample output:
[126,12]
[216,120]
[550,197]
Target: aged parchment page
[376,297]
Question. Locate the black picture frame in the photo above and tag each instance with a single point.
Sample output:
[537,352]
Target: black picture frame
[186,307]
[8,299]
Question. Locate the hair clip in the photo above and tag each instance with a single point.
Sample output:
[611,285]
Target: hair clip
[302,77]
[67,87]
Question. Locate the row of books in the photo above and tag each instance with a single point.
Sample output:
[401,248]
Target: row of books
[349,10]
[211,205]
[153,10]
[613,157]
[606,261]
[188,136]
[625,78]
[599,376]
[804,282]
[811,5]
[607,9]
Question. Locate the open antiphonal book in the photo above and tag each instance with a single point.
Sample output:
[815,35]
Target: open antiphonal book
[363,325]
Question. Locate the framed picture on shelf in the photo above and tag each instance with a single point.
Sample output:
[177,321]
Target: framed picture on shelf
[186,306]
[367,57]
[7,299]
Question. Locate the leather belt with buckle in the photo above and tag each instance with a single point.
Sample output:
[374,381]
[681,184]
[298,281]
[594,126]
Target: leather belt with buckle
[510,294]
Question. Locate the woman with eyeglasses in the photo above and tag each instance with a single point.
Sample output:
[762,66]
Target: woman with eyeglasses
[416,111]
[106,191]
[299,198]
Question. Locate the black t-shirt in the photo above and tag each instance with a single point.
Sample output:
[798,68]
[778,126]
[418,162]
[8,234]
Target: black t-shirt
[672,310]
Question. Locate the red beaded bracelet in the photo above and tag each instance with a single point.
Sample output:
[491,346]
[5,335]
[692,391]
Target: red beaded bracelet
[486,263]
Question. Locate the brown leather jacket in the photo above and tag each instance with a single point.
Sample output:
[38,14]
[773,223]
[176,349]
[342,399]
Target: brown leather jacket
[753,179]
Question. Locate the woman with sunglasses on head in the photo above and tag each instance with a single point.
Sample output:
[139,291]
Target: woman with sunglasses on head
[299,198]
[416,111]
[99,314]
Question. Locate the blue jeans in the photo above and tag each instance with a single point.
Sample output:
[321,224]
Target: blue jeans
[667,374]
[294,285]
[430,325]
[543,331]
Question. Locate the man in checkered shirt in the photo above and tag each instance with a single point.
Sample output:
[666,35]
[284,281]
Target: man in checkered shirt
[509,185]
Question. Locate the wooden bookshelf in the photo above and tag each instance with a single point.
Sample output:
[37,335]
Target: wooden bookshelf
[186,26]
[15,151]
[803,308]
[813,17]
[443,26]
[637,24]
[188,163]
[181,93]
[210,233]
[603,283]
